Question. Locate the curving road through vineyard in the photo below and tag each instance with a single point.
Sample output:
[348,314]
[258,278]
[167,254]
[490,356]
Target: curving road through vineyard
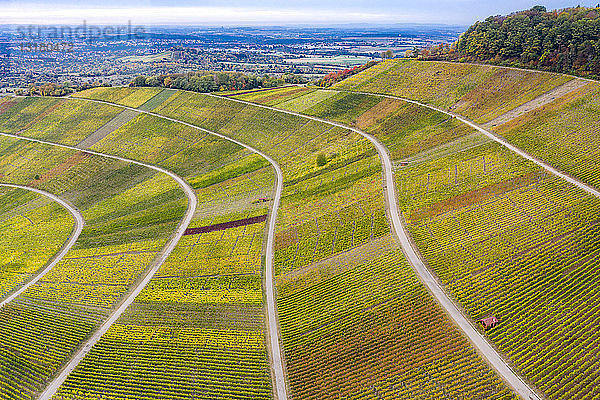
[77,228]
[453,310]
[183,224]
[549,168]
[280,389]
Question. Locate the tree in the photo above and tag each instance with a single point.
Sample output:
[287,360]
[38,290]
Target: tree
[564,40]
[139,81]
[151,81]
[387,55]
[321,159]
[206,81]
[179,83]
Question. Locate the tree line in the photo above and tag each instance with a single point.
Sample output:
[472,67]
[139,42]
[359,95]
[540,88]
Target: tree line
[335,77]
[205,82]
[47,89]
[566,40]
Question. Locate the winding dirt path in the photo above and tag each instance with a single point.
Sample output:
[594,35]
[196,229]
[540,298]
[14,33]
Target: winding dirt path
[53,386]
[77,228]
[274,345]
[549,168]
[495,360]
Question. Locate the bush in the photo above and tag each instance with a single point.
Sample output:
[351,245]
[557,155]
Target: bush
[321,159]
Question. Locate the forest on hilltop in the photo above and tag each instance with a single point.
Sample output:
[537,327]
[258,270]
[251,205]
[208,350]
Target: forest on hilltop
[565,41]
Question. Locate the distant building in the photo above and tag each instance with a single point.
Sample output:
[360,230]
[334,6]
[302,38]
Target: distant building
[176,55]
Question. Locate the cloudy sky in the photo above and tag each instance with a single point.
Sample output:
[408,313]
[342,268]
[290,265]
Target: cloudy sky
[244,12]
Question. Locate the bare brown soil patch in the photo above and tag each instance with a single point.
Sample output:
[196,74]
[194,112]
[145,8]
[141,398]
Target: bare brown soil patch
[474,197]
[286,238]
[377,113]
[69,163]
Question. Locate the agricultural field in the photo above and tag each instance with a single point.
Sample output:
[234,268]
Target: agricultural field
[125,227]
[389,119]
[196,329]
[25,217]
[123,96]
[330,214]
[18,113]
[511,248]
[565,132]
[504,238]
[212,276]
[478,92]
[356,343]
[70,122]
[562,132]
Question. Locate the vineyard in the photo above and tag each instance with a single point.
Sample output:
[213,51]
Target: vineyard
[122,96]
[503,237]
[565,133]
[562,132]
[24,217]
[69,122]
[214,276]
[196,329]
[478,92]
[47,322]
[333,214]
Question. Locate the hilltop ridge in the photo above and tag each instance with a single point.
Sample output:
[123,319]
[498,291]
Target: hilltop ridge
[566,40]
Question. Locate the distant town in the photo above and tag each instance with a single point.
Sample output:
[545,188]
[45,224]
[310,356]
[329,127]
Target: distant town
[34,55]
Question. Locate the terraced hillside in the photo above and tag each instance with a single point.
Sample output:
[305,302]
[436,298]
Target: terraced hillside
[503,236]
[207,291]
[125,229]
[25,217]
[197,328]
[333,244]
[561,128]
[478,92]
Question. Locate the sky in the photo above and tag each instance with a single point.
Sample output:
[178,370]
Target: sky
[264,12]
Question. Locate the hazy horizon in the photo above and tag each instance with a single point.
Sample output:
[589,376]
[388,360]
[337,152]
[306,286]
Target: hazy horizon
[266,12]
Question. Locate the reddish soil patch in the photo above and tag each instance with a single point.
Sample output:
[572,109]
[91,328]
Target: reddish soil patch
[378,112]
[226,225]
[7,105]
[286,238]
[69,163]
[42,115]
[474,196]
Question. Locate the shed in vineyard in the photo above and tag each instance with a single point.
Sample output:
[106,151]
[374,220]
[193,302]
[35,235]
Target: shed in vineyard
[489,322]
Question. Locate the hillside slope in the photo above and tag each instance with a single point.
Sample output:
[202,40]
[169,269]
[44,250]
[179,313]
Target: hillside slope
[355,321]
[563,130]
[505,238]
